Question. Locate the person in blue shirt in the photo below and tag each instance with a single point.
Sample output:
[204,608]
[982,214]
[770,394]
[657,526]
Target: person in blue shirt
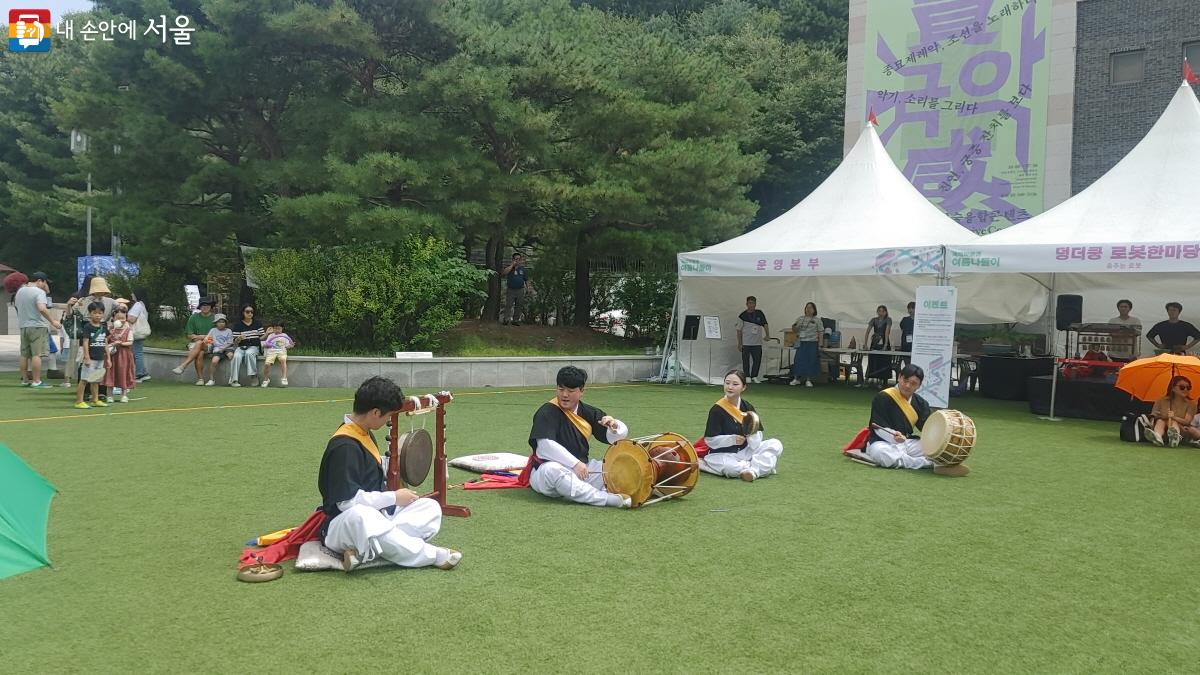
[517,283]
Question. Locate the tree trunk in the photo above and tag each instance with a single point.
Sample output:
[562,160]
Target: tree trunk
[583,282]
[495,255]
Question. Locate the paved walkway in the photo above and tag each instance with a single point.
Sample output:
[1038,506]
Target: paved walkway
[10,346]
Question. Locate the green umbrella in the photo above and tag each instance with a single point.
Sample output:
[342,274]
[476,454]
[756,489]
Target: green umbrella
[24,508]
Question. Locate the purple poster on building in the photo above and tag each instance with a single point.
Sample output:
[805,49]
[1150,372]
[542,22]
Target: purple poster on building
[960,91]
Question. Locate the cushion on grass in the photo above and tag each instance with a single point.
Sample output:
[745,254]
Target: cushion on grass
[314,556]
[491,461]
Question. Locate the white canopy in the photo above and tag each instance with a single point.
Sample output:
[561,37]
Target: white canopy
[1139,217]
[864,237]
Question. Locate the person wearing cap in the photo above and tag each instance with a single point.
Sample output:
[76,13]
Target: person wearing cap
[198,325]
[35,322]
[219,345]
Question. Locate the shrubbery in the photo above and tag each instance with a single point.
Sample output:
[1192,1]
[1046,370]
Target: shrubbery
[647,299]
[370,298]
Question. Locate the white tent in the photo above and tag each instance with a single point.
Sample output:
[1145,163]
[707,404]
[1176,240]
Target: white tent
[864,237]
[1134,233]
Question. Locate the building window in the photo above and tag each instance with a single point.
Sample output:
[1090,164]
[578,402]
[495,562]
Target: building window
[1128,67]
[1191,52]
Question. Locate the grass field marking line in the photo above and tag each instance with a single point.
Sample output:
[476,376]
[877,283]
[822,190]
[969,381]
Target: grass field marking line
[162,410]
[267,405]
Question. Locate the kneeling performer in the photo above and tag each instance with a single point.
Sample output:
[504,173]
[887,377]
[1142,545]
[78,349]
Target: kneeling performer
[559,465]
[731,451]
[896,412]
[366,520]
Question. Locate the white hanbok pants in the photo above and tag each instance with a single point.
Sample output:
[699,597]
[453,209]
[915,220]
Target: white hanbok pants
[906,455]
[401,537]
[555,480]
[758,458]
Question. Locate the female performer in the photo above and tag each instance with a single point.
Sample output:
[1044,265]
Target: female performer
[731,453]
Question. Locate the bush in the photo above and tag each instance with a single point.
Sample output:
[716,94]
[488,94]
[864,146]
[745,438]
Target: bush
[647,299]
[366,297]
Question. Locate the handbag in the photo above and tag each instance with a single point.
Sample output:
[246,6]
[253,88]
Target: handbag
[141,329]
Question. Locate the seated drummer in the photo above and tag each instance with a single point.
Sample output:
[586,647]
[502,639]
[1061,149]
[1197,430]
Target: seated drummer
[559,465]
[366,520]
[896,412]
[730,452]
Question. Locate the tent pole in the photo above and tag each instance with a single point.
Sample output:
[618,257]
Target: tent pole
[663,369]
[1051,335]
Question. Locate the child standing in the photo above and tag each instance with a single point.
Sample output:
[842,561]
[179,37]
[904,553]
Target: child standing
[277,343]
[93,344]
[119,373]
[219,346]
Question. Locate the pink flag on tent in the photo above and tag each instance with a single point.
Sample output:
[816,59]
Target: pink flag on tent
[1189,74]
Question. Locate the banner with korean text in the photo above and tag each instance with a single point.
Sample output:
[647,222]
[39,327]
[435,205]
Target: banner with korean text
[960,88]
[885,261]
[1173,256]
[933,341]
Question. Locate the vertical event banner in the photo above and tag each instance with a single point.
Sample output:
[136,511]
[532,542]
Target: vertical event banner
[933,341]
[960,89]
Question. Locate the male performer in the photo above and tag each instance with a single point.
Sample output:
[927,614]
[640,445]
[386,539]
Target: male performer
[895,413]
[366,519]
[559,465]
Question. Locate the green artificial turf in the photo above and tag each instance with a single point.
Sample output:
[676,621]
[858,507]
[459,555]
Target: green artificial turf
[1065,550]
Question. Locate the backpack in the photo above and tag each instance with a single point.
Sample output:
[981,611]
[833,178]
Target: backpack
[1133,427]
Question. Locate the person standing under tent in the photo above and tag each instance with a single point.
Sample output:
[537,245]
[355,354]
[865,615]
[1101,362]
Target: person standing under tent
[752,331]
[810,338]
[1172,335]
[879,338]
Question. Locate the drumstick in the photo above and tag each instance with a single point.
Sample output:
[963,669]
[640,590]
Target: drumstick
[884,429]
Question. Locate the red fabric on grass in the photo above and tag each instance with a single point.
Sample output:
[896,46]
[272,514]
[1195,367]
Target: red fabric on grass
[288,547]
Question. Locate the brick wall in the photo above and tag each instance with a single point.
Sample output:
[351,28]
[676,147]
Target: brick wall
[1111,118]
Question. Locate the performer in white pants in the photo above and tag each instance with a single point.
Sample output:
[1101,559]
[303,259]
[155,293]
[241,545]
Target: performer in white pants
[559,465]
[896,414]
[366,520]
[730,452]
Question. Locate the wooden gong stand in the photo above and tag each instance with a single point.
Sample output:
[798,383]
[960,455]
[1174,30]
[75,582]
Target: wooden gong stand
[418,406]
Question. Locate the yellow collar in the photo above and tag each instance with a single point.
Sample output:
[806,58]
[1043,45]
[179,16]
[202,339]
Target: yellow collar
[732,409]
[581,424]
[352,430]
[905,405]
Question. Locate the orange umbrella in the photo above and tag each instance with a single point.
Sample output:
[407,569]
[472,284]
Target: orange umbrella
[1147,379]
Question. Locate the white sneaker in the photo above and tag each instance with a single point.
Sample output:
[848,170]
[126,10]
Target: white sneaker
[200,382]
[124,398]
[235,384]
[109,399]
[144,378]
[210,383]
[808,383]
[264,383]
[282,382]
[178,370]
[794,383]
[66,385]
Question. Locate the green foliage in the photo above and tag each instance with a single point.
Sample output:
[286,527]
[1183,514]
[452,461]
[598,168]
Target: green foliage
[401,297]
[647,299]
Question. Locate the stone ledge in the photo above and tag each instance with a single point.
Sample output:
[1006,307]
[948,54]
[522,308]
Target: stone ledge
[503,371]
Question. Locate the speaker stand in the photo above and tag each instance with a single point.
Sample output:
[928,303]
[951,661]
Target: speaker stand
[1053,388]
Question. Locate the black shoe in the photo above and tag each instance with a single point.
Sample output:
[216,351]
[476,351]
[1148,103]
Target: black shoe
[504,323]
[516,323]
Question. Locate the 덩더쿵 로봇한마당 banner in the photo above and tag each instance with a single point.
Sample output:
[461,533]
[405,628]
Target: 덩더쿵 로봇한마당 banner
[960,89]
